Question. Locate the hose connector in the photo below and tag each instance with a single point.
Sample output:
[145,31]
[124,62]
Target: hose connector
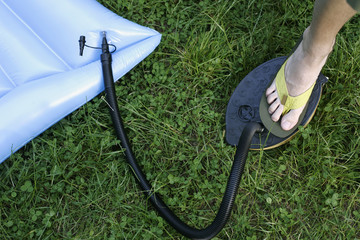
[82,42]
[104,44]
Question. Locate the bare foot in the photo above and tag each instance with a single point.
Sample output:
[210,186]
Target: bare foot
[301,71]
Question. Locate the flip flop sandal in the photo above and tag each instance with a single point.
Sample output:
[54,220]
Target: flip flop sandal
[289,103]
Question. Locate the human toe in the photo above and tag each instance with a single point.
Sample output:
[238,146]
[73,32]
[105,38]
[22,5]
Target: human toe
[275,116]
[290,119]
[272,98]
[271,89]
[274,105]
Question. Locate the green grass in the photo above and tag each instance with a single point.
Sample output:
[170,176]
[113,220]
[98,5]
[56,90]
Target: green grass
[73,182]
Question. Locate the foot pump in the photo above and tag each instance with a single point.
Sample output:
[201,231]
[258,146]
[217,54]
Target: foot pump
[243,129]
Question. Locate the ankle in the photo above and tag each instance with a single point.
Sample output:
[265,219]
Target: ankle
[316,49]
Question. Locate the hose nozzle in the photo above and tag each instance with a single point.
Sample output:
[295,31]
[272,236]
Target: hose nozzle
[104,44]
[82,44]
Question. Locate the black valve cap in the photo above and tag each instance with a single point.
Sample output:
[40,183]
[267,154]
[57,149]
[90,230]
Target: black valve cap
[82,44]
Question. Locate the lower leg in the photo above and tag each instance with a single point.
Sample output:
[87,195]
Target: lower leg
[305,64]
[329,16]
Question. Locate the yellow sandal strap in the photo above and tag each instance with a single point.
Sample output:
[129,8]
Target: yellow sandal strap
[288,101]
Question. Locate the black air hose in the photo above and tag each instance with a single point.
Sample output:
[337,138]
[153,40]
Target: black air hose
[234,178]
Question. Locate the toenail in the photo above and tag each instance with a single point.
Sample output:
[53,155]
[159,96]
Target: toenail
[286,125]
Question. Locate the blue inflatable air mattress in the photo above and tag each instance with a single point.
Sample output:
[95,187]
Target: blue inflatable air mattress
[42,76]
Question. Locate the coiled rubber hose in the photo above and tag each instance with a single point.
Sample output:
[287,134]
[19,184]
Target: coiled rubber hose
[232,184]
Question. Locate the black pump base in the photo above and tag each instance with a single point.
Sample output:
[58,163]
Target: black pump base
[243,106]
